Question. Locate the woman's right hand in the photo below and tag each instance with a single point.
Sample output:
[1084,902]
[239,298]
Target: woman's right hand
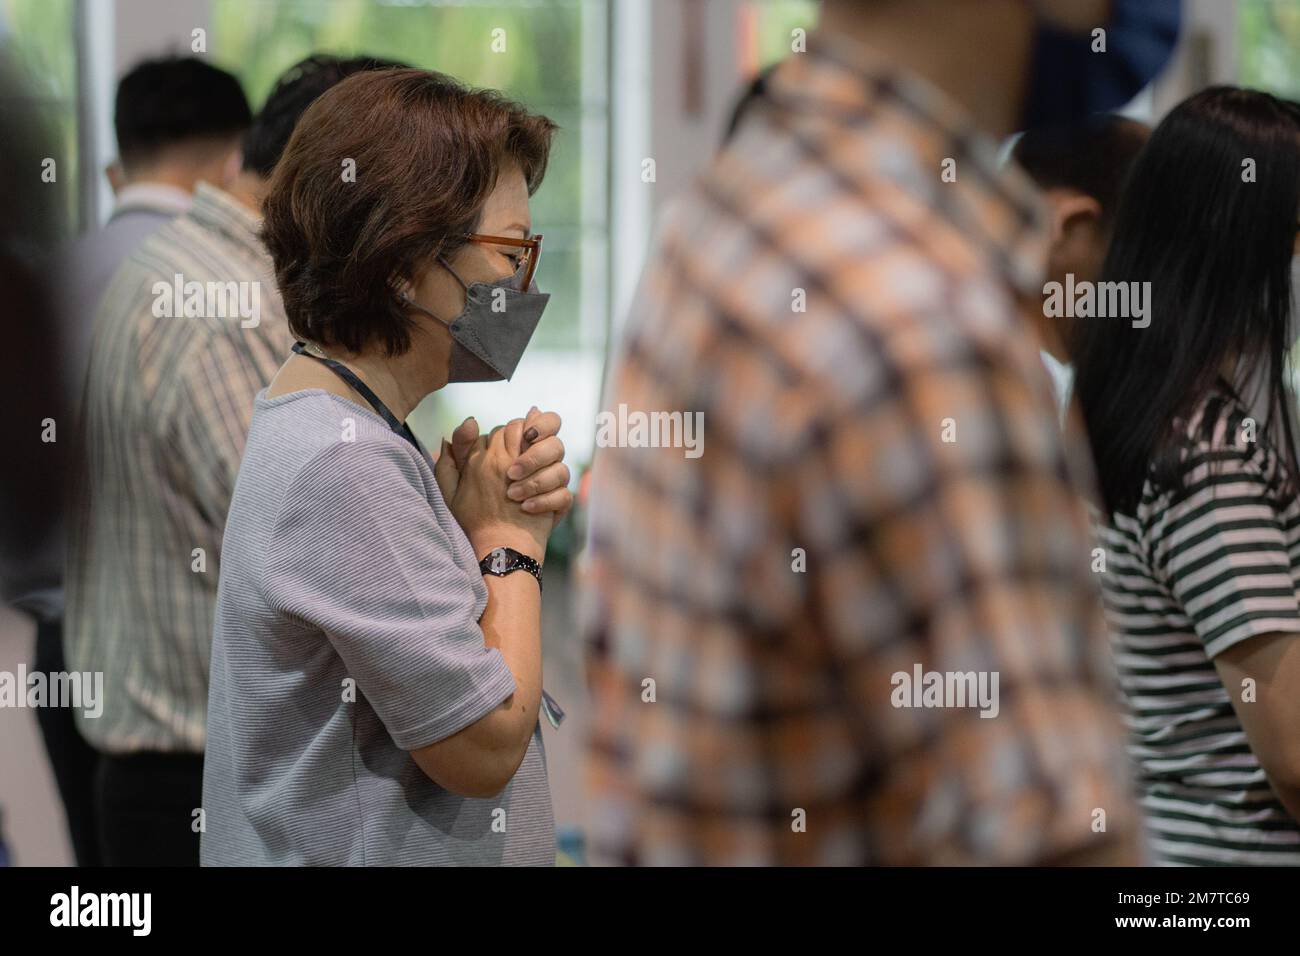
[490,519]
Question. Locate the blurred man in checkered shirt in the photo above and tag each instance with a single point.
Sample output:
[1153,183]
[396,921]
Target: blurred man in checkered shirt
[884,496]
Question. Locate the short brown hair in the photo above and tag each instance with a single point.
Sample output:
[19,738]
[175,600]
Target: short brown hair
[427,153]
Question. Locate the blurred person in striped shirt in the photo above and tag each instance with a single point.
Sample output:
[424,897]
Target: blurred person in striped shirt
[168,398]
[178,121]
[1191,417]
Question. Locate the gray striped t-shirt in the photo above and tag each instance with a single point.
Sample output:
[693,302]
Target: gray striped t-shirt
[1194,572]
[346,635]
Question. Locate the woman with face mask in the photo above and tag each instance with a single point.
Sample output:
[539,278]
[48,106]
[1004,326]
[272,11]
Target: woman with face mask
[1190,413]
[376,665]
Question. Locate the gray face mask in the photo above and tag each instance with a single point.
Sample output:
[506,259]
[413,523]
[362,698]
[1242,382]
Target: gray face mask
[493,329]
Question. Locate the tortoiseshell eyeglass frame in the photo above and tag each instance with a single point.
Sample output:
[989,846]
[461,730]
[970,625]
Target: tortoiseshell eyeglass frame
[532,253]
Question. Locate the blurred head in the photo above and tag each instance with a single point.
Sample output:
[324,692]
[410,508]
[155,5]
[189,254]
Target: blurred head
[1081,168]
[434,163]
[1209,219]
[178,120]
[296,89]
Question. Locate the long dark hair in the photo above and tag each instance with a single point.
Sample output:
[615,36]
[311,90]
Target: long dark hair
[1217,250]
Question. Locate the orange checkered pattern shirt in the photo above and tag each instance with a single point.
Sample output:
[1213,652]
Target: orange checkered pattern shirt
[883,485]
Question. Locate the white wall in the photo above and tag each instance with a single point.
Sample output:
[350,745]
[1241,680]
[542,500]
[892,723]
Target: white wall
[1206,54]
[149,28]
[686,128]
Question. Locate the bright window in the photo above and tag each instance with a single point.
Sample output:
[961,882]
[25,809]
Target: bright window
[38,34]
[1268,35]
[768,30]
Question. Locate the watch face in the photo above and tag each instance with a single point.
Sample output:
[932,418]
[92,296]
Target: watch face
[500,560]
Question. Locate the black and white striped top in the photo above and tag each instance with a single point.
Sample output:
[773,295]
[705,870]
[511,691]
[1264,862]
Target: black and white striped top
[1196,571]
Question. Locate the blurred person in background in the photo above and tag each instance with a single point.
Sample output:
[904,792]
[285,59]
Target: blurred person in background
[32,480]
[1191,419]
[1081,168]
[348,556]
[178,121]
[169,394]
[885,488]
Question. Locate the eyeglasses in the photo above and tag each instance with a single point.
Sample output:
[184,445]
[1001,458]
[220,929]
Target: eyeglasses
[529,257]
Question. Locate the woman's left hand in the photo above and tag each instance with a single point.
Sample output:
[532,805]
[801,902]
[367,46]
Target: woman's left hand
[539,477]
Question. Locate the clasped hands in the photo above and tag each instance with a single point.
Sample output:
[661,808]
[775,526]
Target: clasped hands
[515,474]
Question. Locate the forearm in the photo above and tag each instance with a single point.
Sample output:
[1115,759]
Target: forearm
[511,623]
[1289,797]
[1120,849]
[479,760]
[1280,757]
[1271,662]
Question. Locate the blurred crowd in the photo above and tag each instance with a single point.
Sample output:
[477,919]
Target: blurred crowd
[992,554]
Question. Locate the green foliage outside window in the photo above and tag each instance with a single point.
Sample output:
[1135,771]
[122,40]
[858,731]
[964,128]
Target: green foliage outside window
[38,43]
[1268,33]
[777,19]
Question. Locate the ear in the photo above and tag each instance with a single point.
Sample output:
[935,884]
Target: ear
[116,176]
[1071,209]
[402,287]
[231,167]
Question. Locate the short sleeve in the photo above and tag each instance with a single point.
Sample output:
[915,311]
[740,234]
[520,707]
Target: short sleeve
[358,552]
[1223,545]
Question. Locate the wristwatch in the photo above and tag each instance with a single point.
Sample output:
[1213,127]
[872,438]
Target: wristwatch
[503,561]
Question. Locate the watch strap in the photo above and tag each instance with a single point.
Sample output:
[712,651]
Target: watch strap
[502,561]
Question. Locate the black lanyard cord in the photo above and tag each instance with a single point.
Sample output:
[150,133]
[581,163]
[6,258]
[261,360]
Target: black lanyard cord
[364,390]
[554,713]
